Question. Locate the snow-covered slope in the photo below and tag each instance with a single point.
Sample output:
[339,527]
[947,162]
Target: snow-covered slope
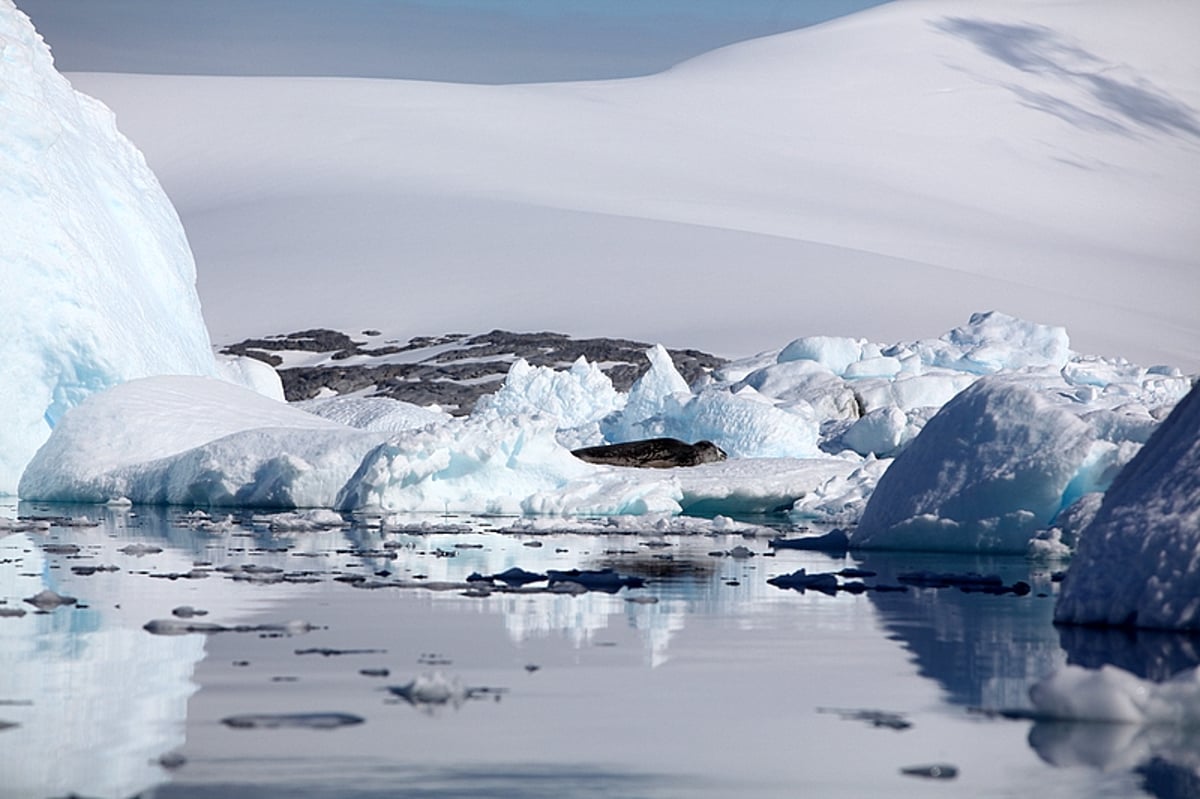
[97,284]
[882,175]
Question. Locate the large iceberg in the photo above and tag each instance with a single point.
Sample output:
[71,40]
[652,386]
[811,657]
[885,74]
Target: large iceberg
[986,472]
[1003,459]
[1138,563]
[99,282]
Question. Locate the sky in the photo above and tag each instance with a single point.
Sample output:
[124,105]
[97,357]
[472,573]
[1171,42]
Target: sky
[470,41]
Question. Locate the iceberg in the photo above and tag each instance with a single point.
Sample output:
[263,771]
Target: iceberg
[985,473]
[99,281]
[1138,562]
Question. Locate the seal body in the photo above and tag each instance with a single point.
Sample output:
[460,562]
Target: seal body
[652,453]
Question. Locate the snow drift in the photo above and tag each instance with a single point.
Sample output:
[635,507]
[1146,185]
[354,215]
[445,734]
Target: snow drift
[1138,563]
[99,283]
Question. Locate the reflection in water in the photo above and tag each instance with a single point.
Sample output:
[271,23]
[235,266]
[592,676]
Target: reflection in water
[110,700]
[1166,757]
[1150,654]
[97,701]
[983,650]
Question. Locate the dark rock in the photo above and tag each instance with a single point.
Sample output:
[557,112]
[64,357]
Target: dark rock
[459,372]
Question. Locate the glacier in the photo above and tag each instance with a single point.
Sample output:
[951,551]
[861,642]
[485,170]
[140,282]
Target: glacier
[99,281]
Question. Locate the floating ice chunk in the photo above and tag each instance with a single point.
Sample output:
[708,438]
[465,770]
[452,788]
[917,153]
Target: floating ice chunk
[931,389]
[992,341]
[1060,540]
[1137,563]
[305,521]
[485,462]
[836,354]
[880,366]
[986,472]
[647,400]
[743,426]
[804,382]
[880,432]
[580,396]
[252,374]
[49,600]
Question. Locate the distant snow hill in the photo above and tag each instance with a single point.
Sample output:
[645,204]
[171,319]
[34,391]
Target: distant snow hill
[881,175]
[451,371]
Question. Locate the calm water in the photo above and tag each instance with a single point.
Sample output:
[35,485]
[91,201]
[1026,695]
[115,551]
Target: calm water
[714,683]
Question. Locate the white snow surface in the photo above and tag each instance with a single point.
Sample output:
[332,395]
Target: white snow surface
[1138,563]
[380,414]
[98,283]
[881,175]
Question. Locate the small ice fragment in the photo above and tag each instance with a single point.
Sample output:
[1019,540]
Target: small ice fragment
[177,627]
[49,600]
[140,549]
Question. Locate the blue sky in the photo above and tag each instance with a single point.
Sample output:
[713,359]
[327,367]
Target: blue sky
[478,41]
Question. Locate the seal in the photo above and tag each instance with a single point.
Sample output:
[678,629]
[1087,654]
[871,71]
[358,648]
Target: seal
[652,453]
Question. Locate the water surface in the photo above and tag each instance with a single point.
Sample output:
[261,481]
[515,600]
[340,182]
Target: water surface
[706,681]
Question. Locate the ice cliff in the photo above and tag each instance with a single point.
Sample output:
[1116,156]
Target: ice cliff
[98,280]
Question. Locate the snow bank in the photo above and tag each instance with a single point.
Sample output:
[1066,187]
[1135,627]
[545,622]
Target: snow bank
[1138,563]
[1110,694]
[99,283]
